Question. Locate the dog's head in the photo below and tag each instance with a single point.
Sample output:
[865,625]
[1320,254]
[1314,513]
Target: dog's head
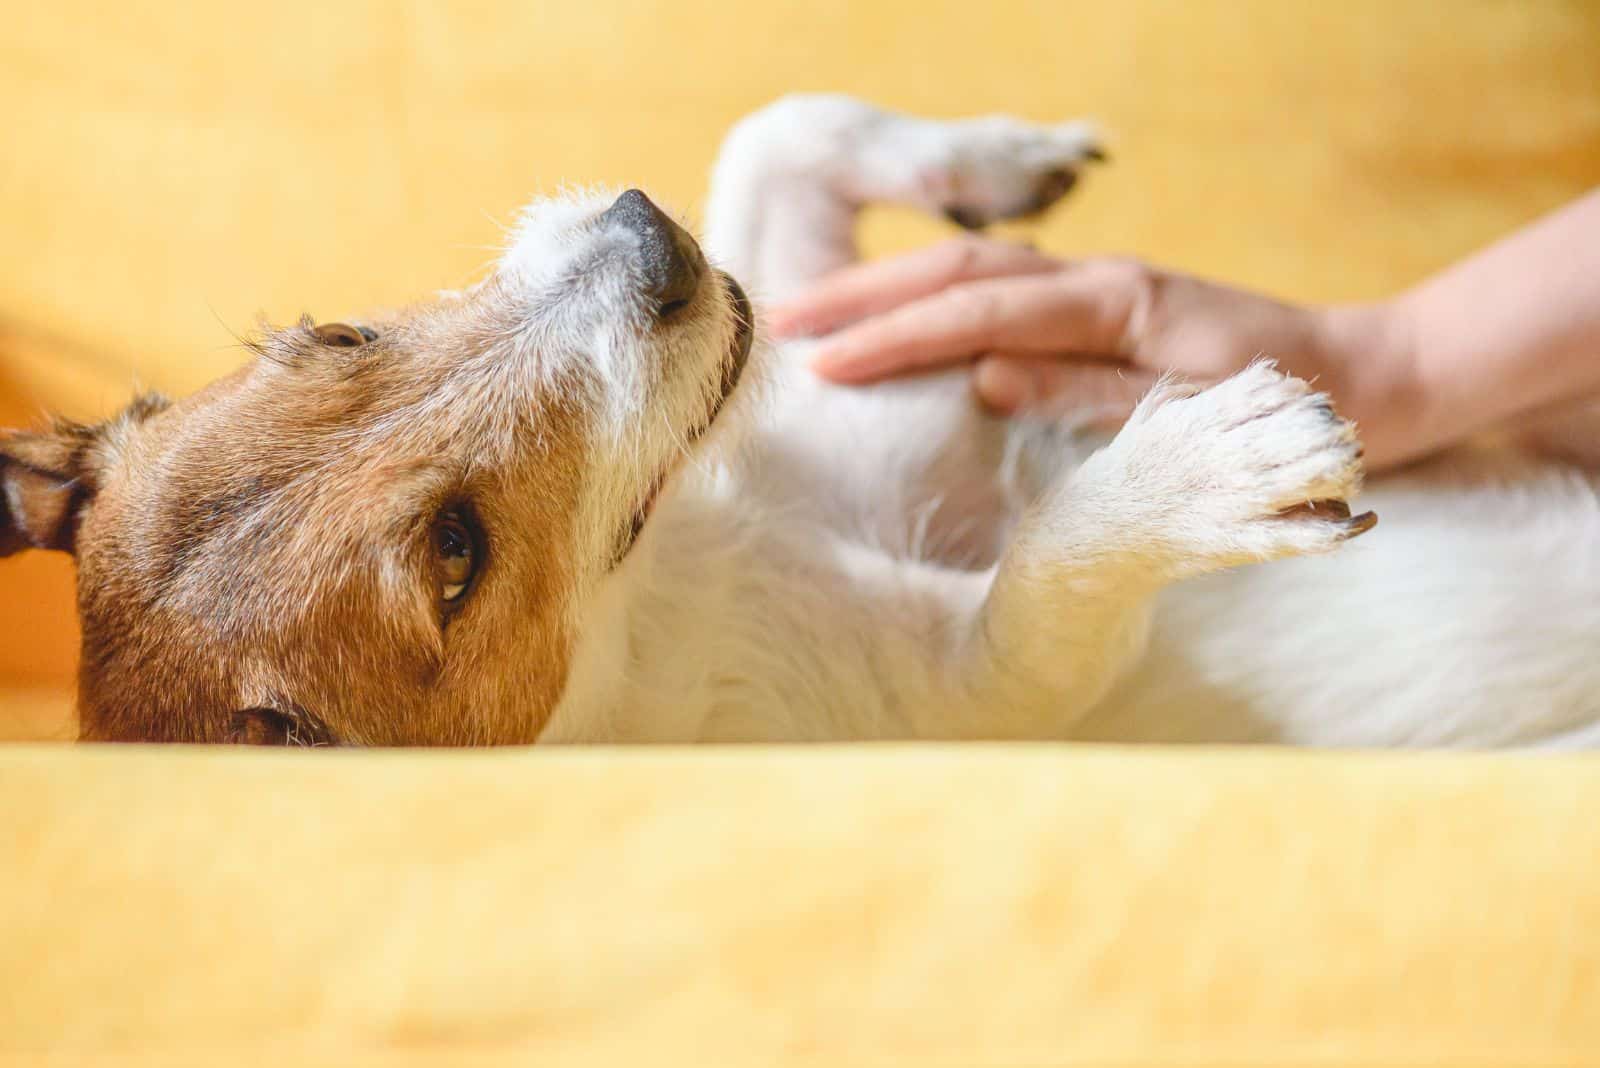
[386,532]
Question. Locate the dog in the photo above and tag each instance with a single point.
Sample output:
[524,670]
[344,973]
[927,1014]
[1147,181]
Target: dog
[584,501]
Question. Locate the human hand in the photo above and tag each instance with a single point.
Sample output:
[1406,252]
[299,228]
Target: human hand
[1090,335]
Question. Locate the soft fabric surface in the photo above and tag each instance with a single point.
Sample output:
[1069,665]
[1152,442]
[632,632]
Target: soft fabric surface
[887,905]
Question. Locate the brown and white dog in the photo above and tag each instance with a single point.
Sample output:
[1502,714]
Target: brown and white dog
[581,502]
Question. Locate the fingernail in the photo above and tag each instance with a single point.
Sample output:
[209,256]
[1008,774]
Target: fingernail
[840,374]
[1004,385]
[781,324]
[828,365]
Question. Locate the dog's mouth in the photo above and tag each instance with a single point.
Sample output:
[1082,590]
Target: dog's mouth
[733,366]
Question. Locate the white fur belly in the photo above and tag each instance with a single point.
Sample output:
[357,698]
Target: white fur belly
[911,466]
[1469,617]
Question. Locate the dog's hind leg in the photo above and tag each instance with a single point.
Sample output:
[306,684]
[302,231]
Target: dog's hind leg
[792,177]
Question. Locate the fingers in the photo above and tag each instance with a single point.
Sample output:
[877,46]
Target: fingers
[1063,311]
[1101,393]
[869,288]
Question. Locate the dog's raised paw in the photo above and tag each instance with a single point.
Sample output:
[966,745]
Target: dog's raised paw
[1256,467]
[999,167]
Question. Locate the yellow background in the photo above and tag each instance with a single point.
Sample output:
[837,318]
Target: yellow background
[805,907]
[174,170]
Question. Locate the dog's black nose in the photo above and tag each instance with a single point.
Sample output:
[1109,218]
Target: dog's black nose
[673,264]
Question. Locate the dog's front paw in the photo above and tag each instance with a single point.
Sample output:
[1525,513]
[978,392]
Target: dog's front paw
[998,167]
[1258,466]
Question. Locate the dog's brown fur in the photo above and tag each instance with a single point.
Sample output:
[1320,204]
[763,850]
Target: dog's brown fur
[255,562]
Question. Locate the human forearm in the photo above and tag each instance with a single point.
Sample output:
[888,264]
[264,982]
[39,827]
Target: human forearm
[1512,329]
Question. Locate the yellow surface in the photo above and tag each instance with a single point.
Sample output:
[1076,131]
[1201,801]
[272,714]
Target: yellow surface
[886,905]
[173,169]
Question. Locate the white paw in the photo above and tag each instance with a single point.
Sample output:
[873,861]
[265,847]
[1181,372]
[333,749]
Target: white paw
[998,167]
[1256,467]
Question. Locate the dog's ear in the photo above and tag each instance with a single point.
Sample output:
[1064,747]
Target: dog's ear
[45,478]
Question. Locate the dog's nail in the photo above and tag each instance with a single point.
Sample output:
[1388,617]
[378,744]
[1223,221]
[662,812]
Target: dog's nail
[1359,525]
[1055,185]
[1096,154]
[1328,509]
[966,218]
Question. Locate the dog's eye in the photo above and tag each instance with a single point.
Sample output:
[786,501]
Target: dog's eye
[269,726]
[455,555]
[343,335]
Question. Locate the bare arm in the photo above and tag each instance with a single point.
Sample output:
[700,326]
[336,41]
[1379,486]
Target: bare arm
[1512,329]
[1509,330]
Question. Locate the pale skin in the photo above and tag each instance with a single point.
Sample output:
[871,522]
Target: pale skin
[1508,332]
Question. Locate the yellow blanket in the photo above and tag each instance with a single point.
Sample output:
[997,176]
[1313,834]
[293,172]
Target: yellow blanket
[872,905]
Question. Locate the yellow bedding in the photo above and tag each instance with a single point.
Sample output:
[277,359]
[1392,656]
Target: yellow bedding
[173,169]
[949,905]
[873,905]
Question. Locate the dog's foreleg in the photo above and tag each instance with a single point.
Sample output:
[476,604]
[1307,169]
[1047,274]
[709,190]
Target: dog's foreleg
[1256,468]
[791,178]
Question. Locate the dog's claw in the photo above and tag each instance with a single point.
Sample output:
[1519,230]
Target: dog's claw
[1359,525]
[1331,509]
[1335,511]
[966,218]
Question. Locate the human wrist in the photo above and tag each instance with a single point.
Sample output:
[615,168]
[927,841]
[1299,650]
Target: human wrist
[1367,359]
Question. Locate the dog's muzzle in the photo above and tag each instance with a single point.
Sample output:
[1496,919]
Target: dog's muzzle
[672,263]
